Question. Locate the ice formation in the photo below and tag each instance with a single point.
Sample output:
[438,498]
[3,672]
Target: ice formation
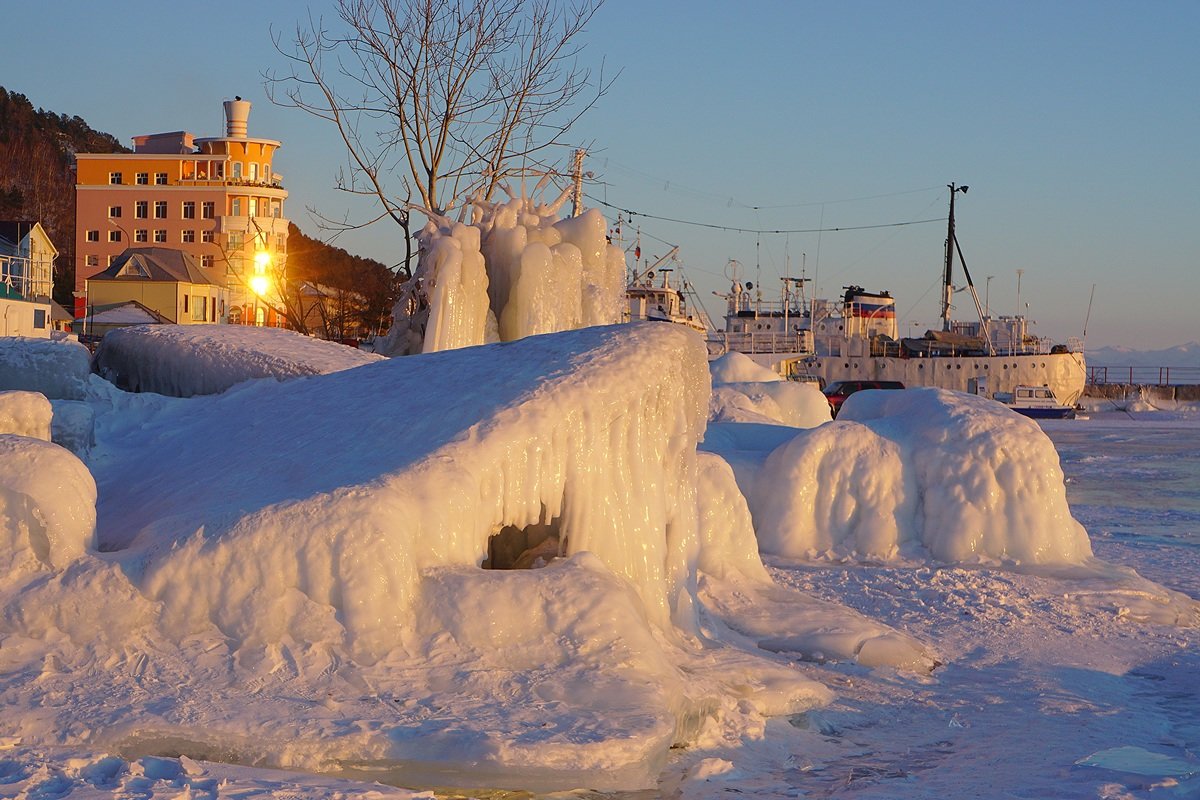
[58,368]
[187,360]
[47,507]
[515,270]
[960,476]
[25,414]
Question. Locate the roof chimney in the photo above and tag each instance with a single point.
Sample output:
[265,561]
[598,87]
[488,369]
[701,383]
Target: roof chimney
[237,113]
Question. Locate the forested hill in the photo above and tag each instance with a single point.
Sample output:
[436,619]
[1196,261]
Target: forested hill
[36,179]
[37,183]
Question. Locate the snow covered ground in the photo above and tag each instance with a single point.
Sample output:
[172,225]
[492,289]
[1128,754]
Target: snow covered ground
[314,602]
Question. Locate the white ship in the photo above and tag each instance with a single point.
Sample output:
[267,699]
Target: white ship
[857,338]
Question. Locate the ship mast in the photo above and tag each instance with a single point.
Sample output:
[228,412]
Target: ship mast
[948,286]
[951,242]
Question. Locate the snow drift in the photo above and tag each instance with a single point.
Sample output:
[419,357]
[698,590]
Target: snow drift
[187,360]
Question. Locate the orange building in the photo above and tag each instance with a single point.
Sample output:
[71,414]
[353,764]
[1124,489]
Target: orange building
[218,199]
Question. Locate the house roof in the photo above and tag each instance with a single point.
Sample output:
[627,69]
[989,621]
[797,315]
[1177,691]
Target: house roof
[130,312]
[156,264]
[12,231]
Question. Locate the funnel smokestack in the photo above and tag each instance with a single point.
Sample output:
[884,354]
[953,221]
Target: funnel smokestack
[237,114]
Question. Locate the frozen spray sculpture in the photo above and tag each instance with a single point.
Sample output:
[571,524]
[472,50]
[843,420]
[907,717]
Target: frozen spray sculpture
[515,270]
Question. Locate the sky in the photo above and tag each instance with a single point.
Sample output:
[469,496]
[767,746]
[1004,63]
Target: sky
[1073,123]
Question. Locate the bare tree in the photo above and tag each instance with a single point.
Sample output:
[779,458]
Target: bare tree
[440,99]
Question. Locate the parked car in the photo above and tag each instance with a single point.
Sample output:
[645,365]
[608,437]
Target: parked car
[838,391]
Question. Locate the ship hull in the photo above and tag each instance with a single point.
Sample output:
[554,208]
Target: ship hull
[1062,372]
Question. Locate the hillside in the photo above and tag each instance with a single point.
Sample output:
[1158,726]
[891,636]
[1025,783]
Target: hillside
[37,149]
[37,182]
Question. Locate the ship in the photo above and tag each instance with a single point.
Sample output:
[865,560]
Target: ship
[856,338]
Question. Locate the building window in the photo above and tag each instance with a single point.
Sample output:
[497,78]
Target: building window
[114,177]
[160,209]
[160,178]
[93,236]
[160,235]
[219,170]
[280,242]
[189,209]
[93,261]
[235,207]
[235,240]
[114,236]
[254,171]
[39,318]
[141,209]
[276,209]
[189,236]
[237,171]
[208,209]
[141,235]
[199,306]
[254,206]
[142,178]
[206,261]
[206,237]
[114,211]
[108,262]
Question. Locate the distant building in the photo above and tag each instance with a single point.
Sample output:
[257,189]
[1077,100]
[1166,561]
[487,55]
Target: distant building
[26,279]
[218,199]
[168,282]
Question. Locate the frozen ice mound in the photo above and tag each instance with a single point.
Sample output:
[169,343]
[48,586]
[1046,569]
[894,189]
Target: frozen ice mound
[58,368]
[25,414]
[47,506]
[188,360]
[961,477]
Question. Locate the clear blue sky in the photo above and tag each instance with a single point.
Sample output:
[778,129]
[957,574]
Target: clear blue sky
[1074,123]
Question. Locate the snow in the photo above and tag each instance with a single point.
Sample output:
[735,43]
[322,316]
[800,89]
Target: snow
[745,391]
[58,368]
[283,578]
[187,360]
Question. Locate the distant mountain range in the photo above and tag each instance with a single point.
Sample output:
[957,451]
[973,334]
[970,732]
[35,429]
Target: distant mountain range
[1183,355]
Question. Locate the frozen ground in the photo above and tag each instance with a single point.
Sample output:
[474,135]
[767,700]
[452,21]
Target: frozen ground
[1059,680]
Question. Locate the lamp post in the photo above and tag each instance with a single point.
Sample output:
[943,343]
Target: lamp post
[987,297]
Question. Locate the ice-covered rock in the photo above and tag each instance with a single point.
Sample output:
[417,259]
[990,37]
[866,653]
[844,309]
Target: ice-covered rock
[187,360]
[58,368]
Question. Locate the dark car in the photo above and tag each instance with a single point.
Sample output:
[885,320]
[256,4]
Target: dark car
[838,391]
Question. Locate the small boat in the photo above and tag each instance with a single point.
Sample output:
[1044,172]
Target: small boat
[1037,402]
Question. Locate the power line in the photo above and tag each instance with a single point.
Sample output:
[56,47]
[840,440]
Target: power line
[713,226]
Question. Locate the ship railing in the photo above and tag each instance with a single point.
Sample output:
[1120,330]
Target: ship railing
[754,342]
[1143,376]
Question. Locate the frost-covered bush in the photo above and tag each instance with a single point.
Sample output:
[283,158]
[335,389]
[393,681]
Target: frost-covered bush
[25,414]
[58,368]
[962,477]
[515,269]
